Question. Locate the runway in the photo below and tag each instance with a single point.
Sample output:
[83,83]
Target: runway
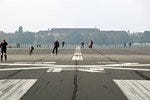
[76,74]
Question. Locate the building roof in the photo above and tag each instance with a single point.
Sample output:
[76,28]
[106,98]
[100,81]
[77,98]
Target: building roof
[73,30]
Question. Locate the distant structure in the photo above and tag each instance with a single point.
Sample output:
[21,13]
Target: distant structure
[59,31]
[20,30]
[73,30]
[85,34]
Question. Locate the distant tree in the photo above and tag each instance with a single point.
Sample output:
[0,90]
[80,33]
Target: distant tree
[74,38]
[24,38]
[146,36]
[3,36]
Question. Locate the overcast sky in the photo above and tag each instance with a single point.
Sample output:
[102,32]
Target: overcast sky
[35,15]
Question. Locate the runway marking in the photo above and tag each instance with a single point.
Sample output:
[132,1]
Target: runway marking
[14,89]
[93,70]
[77,54]
[136,69]
[29,64]
[34,62]
[135,89]
[117,63]
[54,70]
[107,62]
[25,68]
[59,68]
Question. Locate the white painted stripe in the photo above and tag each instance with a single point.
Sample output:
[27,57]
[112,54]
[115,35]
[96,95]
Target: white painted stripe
[74,66]
[92,70]
[14,89]
[135,89]
[34,62]
[54,70]
[25,68]
[77,66]
[117,63]
[77,54]
[107,62]
[136,69]
[21,64]
[128,64]
[77,58]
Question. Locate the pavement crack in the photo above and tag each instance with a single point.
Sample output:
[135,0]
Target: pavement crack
[75,90]
[100,52]
[10,75]
[142,75]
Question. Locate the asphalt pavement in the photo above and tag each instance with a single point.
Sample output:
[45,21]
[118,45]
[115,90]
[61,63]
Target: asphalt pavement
[76,74]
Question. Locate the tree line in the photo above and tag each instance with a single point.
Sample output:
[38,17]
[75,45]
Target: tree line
[100,38]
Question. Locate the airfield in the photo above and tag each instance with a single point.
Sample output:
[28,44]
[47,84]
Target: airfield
[101,73]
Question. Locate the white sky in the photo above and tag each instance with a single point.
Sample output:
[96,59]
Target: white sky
[35,15]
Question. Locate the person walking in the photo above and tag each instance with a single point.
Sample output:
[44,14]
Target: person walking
[56,45]
[91,44]
[3,47]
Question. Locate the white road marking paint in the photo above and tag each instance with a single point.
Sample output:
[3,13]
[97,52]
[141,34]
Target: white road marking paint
[77,54]
[65,67]
[26,68]
[14,89]
[117,63]
[128,64]
[95,70]
[28,64]
[136,69]
[34,62]
[54,70]
[135,89]
[78,67]
[107,62]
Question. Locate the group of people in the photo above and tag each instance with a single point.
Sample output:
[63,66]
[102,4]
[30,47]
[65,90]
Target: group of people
[90,44]
[3,46]
[125,45]
[56,45]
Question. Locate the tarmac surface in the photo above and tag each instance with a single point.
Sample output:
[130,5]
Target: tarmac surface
[76,74]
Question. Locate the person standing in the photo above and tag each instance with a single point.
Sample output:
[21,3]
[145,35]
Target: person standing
[91,44]
[130,44]
[56,45]
[63,43]
[31,50]
[124,45]
[82,44]
[3,47]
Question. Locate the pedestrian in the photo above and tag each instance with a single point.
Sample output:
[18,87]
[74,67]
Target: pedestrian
[82,44]
[63,43]
[91,44]
[56,45]
[130,44]
[3,47]
[124,45]
[31,50]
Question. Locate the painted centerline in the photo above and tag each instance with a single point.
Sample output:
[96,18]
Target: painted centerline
[77,54]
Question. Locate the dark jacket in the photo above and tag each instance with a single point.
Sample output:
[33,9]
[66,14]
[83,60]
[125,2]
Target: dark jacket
[56,44]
